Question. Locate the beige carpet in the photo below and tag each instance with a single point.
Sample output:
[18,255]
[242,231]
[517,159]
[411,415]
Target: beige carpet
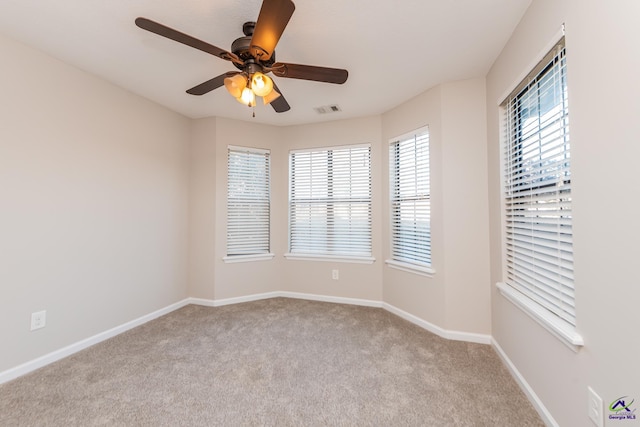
[276,362]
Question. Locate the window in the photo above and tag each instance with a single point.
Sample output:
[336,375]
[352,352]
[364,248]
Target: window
[330,203]
[410,200]
[248,204]
[537,196]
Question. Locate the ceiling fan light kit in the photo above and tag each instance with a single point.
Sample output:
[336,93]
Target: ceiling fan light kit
[254,56]
[235,84]
[261,85]
[245,88]
[247,98]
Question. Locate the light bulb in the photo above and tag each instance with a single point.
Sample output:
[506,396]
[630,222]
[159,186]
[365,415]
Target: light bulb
[247,97]
[261,84]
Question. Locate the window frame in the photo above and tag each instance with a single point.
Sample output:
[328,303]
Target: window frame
[563,329]
[399,262]
[329,254]
[260,253]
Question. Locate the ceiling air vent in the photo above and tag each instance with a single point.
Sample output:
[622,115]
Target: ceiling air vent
[325,109]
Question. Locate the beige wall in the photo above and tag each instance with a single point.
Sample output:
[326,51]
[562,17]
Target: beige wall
[419,295]
[93,204]
[602,63]
[211,277]
[465,245]
[247,278]
[362,281]
[202,208]
[457,297]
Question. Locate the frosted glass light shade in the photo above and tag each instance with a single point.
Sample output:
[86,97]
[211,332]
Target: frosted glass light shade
[235,84]
[261,84]
[273,95]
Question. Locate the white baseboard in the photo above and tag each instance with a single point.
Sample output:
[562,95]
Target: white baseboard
[235,300]
[32,365]
[444,333]
[546,416]
[283,294]
[56,355]
[451,335]
[326,298]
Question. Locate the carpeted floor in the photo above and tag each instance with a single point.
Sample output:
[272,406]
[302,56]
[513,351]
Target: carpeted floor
[275,362]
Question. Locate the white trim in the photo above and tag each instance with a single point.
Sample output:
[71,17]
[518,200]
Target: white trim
[435,329]
[447,334]
[327,298]
[285,294]
[536,60]
[558,327]
[411,133]
[248,149]
[546,416]
[247,258]
[330,147]
[202,301]
[411,268]
[334,258]
[56,355]
[233,300]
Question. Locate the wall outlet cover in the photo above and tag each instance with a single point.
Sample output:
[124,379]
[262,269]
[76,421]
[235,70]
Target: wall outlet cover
[38,320]
[595,408]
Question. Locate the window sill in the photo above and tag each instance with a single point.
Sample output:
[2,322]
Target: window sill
[411,268]
[247,258]
[559,328]
[332,258]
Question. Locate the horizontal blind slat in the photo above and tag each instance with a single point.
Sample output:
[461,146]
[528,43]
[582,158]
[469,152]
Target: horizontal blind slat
[537,172]
[410,199]
[248,201]
[330,201]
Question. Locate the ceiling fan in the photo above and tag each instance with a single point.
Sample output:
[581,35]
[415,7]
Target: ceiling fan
[254,55]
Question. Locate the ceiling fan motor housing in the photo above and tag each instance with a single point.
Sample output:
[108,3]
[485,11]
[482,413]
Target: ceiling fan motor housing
[241,47]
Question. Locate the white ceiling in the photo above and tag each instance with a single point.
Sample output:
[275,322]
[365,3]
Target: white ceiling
[393,50]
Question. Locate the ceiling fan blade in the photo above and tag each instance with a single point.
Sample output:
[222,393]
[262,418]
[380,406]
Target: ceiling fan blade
[210,85]
[273,19]
[310,72]
[170,33]
[280,105]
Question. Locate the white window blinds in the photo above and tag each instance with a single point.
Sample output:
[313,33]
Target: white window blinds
[247,201]
[330,201]
[539,249]
[410,199]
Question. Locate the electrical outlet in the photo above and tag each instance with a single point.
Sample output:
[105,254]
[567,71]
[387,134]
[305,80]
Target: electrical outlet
[335,275]
[595,408]
[38,320]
